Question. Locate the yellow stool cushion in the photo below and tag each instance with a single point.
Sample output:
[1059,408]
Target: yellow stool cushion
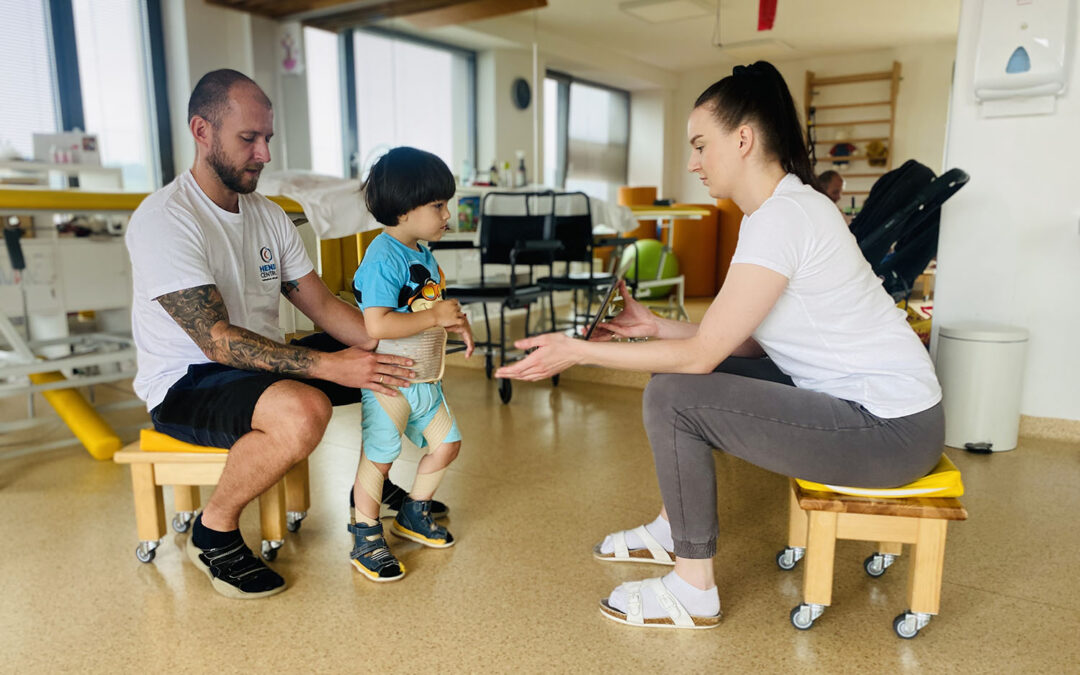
[942,481]
[155,441]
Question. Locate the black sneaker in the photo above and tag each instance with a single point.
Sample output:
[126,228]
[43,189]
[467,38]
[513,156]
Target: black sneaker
[235,571]
[392,498]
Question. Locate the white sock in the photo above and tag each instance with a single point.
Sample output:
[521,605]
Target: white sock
[660,529]
[696,601]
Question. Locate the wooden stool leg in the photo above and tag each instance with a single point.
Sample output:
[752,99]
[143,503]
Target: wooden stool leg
[890,547]
[297,492]
[927,561]
[186,497]
[820,551]
[797,522]
[272,512]
[149,505]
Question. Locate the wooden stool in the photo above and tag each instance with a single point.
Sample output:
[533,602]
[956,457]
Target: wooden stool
[157,460]
[817,518]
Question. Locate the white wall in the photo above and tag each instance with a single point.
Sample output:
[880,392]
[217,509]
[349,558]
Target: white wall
[502,129]
[199,38]
[922,102]
[1009,249]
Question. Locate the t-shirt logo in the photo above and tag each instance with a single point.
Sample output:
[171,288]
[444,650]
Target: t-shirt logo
[268,270]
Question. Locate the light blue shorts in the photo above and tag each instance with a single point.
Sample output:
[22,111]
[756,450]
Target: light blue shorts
[382,442]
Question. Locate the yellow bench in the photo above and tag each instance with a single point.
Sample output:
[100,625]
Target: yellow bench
[157,460]
[914,514]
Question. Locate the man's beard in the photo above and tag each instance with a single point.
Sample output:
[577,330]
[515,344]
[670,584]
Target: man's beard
[234,178]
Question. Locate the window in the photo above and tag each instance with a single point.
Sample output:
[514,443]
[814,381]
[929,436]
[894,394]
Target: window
[28,88]
[412,93]
[586,136]
[84,64]
[324,101]
[116,94]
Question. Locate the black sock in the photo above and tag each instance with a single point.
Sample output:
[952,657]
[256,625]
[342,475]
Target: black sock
[205,538]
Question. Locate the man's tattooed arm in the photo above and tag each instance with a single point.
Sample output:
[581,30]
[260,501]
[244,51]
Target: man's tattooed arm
[201,312]
[289,287]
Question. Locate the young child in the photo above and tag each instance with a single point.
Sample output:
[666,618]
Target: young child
[399,288]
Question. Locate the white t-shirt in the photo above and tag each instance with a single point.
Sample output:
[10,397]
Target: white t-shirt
[178,238]
[834,328]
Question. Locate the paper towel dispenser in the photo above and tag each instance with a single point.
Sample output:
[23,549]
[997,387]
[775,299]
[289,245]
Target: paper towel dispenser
[1022,51]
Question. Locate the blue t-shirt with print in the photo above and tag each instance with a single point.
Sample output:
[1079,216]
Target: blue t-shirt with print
[396,276]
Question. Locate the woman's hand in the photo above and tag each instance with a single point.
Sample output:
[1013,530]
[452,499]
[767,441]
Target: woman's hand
[554,353]
[635,321]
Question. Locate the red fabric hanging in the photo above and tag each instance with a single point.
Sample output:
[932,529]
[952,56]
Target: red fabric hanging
[766,14]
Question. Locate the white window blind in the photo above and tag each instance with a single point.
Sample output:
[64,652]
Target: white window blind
[324,101]
[117,105]
[410,94]
[597,140]
[27,87]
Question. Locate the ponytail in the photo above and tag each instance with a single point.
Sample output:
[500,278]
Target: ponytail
[757,94]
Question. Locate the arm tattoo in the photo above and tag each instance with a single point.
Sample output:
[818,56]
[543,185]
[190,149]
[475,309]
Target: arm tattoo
[288,287]
[201,312]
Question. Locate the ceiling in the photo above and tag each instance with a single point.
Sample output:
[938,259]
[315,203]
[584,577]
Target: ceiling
[802,28]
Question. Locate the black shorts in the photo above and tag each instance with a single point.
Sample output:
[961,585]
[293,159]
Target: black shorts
[212,404]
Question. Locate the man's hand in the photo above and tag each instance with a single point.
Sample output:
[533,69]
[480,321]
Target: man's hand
[448,314]
[356,367]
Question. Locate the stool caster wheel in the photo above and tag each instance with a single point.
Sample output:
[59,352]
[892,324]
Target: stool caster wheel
[489,365]
[270,549]
[506,390]
[908,624]
[554,380]
[876,564]
[293,520]
[145,551]
[788,557]
[804,615]
[181,522]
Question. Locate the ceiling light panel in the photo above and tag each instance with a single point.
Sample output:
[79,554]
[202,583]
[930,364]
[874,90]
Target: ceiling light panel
[665,11]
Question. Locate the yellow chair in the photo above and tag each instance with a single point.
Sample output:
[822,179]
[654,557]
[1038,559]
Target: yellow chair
[915,514]
[157,460]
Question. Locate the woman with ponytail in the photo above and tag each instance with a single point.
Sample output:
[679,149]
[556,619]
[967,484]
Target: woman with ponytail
[801,365]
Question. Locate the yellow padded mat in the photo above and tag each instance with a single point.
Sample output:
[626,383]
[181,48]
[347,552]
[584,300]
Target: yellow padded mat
[942,481]
[155,441]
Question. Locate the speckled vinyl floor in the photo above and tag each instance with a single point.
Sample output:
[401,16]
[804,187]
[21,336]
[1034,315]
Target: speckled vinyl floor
[538,482]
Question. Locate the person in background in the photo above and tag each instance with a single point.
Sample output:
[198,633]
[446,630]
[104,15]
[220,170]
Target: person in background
[832,184]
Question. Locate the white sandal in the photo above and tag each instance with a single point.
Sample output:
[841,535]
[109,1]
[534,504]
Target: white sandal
[652,553]
[677,617]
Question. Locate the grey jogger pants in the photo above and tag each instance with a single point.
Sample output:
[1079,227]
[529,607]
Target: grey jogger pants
[749,409]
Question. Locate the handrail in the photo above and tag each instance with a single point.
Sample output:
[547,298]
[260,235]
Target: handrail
[78,201]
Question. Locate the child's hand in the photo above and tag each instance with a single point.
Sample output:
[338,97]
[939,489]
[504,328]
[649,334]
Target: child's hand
[447,313]
[465,331]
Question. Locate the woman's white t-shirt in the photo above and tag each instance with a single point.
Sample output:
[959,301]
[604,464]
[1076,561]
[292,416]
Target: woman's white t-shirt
[834,328]
[179,238]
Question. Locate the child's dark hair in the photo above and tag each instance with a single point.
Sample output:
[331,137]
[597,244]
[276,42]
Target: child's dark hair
[404,179]
[757,94]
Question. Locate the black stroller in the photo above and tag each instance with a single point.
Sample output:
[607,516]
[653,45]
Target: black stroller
[897,228]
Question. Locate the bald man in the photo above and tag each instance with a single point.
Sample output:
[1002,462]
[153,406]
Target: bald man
[210,258]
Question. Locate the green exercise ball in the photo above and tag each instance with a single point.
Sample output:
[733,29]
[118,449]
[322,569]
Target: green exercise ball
[649,252]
